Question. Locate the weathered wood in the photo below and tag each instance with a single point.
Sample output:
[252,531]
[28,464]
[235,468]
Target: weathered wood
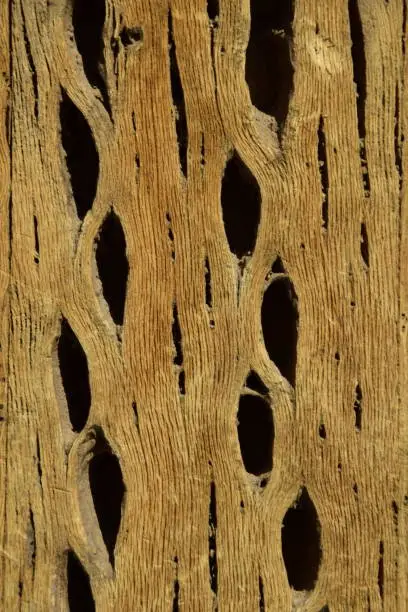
[204,298]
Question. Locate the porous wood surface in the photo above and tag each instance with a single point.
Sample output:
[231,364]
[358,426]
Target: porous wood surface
[197,530]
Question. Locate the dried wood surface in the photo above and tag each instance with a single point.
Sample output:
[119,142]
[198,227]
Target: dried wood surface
[204,301]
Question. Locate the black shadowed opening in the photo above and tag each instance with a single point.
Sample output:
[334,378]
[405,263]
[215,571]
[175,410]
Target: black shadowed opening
[212,539]
[88,19]
[208,289]
[178,99]
[36,241]
[73,366]
[261,595]
[113,265]
[279,316]
[255,383]
[381,570]
[255,433]
[107,488]
[324,173]
[81,155]
[359,62]
[269,70]
[358,407]
[176,332]
[241,206]
[80,598]
[364,248]
[278,267]
[359,72]
[131,36]
[213,9]
[176,588]
[301,543]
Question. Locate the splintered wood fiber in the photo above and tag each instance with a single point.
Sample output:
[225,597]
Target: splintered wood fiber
[204,306]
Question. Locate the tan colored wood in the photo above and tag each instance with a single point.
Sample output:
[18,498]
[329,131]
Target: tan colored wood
[197,530]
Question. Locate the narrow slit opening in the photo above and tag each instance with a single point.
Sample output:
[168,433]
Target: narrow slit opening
[176,587]
[395,511]
[202,152]
[358,407]
[182,382]
[73,367]
[397,136]
[359,62]
[176,331]
[365,173]
[31,540]
[39,467]
[359,72]
[81,155]
[7,121]
[212,539]
[381,571]
[136,414]
[208,290]
[170,236]
[36,241]
[261,595]
[364,247]
[113,265]
[178,99]
[324,174]
[279,318]
[178,350]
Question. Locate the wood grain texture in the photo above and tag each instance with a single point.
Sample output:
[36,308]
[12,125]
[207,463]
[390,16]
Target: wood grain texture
[123,116]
